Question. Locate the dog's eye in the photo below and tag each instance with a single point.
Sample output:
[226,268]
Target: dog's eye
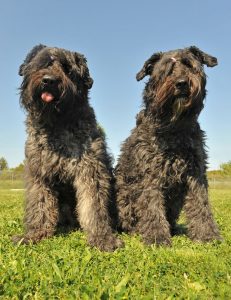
[45,61]
[50,63]
[185,61]
[66,68]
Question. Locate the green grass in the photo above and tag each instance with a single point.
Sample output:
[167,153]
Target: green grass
[11,184]
[64,267]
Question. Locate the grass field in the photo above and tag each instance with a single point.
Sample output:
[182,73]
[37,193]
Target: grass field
[64,267]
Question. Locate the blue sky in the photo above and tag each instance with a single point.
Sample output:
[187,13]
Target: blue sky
[116,37]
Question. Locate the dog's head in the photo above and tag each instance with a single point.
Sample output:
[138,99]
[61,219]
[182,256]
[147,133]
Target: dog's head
[53,80]
[176,87]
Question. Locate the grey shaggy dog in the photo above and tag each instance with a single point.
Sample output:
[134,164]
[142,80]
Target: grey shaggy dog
[162,166]
[68,169]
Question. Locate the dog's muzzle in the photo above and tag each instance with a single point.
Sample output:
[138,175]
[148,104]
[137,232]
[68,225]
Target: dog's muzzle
[49,84]
[182,87]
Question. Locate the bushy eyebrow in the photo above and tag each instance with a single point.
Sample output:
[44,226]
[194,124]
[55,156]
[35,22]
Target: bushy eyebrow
[44,60]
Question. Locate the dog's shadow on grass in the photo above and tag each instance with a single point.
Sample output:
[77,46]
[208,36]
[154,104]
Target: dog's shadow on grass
[180,229]
[65,230]
[62,230]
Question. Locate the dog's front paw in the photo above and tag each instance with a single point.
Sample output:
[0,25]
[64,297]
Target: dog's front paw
[31,237]
[106,243]
[206,238]
[21,239]
[206,233]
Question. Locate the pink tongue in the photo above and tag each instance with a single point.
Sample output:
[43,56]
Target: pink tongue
[47,97]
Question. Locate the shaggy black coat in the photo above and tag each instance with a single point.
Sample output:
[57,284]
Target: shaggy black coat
[68,169]
[162,166]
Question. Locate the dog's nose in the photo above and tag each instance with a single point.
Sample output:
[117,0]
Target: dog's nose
[48,80]
[182,84]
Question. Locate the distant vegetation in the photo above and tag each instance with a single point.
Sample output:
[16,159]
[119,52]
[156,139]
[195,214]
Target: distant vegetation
[3,164]
[223,172]
[4,167]
[11,178]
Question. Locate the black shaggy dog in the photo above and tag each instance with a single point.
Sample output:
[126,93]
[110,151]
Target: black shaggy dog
[68,170]
[162,166]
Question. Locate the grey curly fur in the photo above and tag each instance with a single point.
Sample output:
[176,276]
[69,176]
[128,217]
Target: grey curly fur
[162,166]
[68,169]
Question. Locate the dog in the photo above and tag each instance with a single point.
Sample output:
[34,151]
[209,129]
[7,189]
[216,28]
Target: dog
[162,165]
[68,168]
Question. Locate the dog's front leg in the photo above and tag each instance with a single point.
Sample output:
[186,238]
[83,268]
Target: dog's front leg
[153,224]
[201,225]
[93,190]
[41,213]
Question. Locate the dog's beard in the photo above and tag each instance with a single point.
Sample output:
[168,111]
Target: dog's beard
[61,107]
[179,106]
[173,106]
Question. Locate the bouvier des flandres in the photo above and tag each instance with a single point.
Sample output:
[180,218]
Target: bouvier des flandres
[68,169]
[162,166]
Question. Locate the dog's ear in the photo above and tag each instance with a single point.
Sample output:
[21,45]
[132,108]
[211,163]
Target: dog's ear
[204,58]
[81,62]
[148,66]
[29,58]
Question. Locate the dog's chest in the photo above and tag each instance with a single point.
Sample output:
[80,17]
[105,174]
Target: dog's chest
[55,154]
[67,144]
[179,157]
